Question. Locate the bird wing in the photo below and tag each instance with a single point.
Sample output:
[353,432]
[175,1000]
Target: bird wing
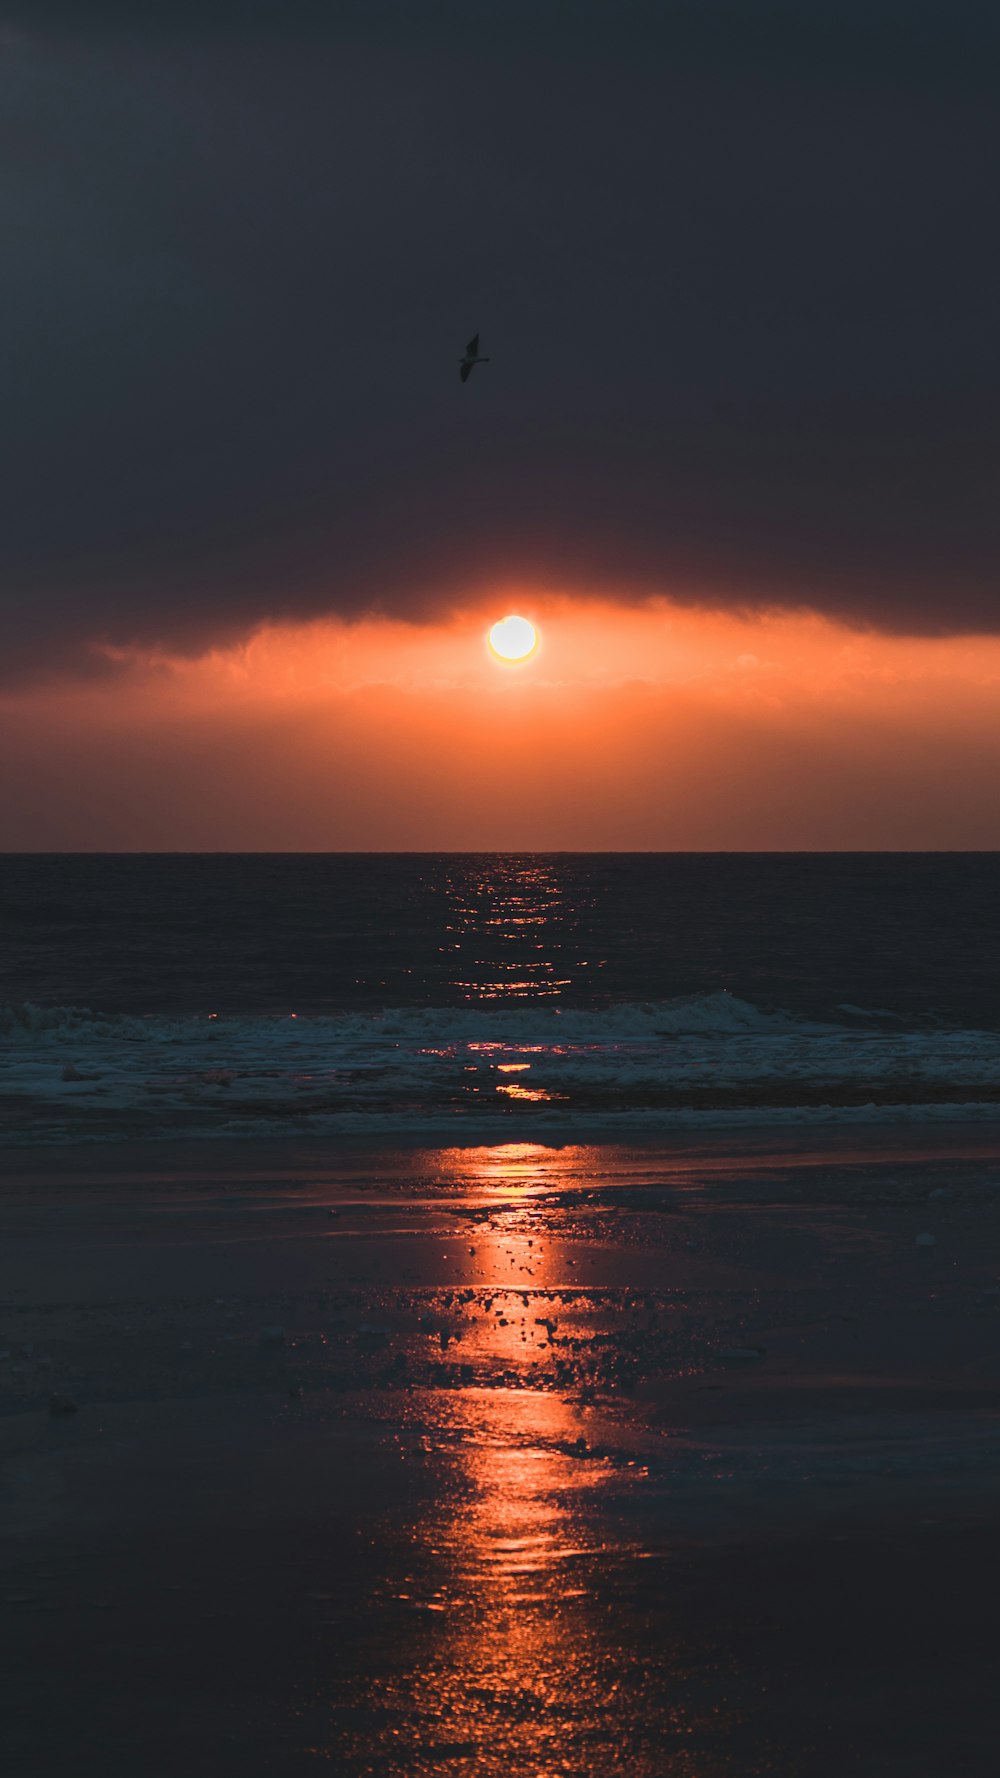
[465,372]
[473,346]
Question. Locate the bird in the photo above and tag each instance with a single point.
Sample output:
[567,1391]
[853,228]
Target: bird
[471,357]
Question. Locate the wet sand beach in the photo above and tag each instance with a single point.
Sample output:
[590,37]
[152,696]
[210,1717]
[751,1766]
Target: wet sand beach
[675,1458]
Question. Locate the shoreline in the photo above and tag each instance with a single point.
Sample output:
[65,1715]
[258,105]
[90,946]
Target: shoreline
[699,1147]
[466,1128]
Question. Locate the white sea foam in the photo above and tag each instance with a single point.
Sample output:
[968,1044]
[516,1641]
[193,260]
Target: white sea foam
[67,1073]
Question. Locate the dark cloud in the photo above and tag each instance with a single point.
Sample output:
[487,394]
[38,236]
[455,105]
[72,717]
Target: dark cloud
[736,269]
[870,38]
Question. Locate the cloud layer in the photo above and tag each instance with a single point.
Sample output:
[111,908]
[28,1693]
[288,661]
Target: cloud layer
[738,289]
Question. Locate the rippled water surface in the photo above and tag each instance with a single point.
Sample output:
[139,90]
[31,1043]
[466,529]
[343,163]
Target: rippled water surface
[915,934]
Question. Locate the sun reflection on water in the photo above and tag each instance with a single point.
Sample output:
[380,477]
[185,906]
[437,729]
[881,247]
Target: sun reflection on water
[512,1169]
[506,931]
[524,1599]
[520,1675]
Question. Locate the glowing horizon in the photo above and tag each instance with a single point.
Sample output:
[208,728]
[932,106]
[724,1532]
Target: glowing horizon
[641,727]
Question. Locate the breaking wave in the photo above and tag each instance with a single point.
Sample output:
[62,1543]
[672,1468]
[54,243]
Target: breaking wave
[69,1073]
[718,1014]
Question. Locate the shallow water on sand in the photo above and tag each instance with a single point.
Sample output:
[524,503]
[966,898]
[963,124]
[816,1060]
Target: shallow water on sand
[676,1459]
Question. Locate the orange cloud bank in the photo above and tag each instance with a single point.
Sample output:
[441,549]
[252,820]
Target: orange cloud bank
[649,727]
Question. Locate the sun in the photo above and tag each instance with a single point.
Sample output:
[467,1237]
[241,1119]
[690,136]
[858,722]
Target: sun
[513,639]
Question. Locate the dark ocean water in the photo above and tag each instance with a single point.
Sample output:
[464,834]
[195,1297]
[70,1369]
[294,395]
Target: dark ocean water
[916,934]
[251,995]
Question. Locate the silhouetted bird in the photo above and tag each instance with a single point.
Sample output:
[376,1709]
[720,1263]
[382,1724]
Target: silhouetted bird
[471,357]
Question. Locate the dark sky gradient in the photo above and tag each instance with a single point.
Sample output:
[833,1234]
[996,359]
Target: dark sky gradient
[736,267]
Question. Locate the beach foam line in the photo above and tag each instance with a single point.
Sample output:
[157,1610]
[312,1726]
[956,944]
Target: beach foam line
[708,1057]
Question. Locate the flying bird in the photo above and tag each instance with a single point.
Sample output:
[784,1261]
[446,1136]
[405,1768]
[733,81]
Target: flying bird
[471,357]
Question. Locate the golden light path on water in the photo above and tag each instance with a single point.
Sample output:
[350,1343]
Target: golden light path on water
[508,934]
[523,1668]
[516,1564]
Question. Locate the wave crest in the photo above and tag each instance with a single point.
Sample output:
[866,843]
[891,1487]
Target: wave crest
[719,1014]
[23,1018]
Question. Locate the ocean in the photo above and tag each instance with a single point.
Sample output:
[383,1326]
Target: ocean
[451,1323]
[513,993]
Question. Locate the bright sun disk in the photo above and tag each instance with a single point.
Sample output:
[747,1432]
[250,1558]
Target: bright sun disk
[513,639]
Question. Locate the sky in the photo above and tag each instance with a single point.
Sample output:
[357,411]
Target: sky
[736,451]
